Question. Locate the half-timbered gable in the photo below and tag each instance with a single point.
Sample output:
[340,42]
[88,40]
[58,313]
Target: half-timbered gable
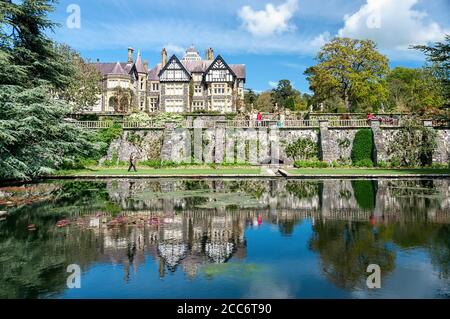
[219,71]
[174,71]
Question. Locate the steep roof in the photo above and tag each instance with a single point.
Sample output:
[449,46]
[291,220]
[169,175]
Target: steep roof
[139,65]
[239,70]
[118,70]
[153,74]
[107,68]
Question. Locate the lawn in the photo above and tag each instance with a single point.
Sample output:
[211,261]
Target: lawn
[164,171]
[366,171]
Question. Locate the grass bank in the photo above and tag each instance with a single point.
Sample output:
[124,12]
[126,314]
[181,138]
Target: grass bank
[100,171]
[368,171]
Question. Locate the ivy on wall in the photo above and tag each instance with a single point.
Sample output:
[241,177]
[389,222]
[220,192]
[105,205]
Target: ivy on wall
[302,149]
[413,145]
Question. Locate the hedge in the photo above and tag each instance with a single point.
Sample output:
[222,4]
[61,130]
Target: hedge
[362,150]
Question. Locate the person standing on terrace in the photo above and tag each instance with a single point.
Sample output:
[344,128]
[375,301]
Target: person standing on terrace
[258,119]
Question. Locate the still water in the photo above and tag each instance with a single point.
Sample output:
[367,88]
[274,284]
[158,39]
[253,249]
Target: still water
[226,238]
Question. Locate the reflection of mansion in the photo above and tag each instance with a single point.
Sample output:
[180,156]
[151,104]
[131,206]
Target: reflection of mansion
[174,85]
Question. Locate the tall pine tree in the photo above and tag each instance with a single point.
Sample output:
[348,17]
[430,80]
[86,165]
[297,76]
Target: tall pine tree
[34,137]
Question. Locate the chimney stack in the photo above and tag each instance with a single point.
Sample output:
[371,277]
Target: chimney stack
[163,57]
[146,65]
[130,55]
[209,54]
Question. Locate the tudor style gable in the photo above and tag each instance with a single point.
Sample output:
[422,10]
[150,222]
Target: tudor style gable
[174,71]
[219,71]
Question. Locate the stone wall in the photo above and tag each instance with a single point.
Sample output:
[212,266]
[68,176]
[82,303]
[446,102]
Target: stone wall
[442,153]
[148,144]
[254,145]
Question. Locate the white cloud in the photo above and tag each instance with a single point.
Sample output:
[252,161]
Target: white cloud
[393,24]
[174,49]
[273,84]
[320,40]
[271,20]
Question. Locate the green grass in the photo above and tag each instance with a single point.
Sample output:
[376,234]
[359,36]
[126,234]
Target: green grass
[162,171]
[366,171]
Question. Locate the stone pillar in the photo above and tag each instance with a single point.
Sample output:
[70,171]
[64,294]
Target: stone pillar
[380,151]
[274,139]
[263,147]
[219,155]
[442,153]
[325,140]
[166,151]
[198,140]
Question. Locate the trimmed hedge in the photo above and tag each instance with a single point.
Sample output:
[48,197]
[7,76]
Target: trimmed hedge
[362,151]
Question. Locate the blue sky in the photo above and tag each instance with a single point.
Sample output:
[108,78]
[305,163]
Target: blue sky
[276,39]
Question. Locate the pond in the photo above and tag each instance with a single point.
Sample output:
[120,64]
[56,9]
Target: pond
[226,238]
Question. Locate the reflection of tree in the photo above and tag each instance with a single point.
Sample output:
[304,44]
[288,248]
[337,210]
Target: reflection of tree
[38,260]
[433,237]
[347,249]
[417,196]
[365,193]
[35,263]
[440,251]
[303,189]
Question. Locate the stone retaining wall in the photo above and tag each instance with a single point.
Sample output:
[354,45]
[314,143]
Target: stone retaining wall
[254,145]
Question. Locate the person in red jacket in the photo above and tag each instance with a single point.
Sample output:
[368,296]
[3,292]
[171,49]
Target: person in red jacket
[258,119]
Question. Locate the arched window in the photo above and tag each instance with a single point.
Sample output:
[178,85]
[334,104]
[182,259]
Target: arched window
[112,103]
[124,104]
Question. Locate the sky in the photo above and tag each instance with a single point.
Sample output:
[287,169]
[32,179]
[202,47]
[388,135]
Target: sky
[276,39]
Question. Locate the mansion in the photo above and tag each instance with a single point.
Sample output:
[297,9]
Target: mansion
[175,85]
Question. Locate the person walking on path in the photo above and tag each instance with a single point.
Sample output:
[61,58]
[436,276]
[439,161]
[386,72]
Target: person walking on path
[132,162]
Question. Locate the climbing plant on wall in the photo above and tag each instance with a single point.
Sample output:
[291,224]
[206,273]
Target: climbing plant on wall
[302,149]
[413,145]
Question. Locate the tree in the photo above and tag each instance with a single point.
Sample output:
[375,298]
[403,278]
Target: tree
[264,102]
[250,98]
[411,90]
[285,96]
[84,87]
[353,70]
[34,138]
[438,56]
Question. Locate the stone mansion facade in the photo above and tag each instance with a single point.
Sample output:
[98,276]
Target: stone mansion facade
[174,85]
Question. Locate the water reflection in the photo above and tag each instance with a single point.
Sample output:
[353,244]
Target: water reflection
[194,227]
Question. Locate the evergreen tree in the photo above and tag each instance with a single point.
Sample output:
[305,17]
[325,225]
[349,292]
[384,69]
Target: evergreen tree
[34,137]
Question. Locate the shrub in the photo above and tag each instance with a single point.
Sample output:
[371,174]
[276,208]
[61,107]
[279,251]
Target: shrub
[362,146]
[364,163]
[310,164]
[303,148]
[382,164]
[413,145]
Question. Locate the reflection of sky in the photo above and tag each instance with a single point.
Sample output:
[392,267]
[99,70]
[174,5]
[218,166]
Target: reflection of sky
[413,277]
[286,268]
